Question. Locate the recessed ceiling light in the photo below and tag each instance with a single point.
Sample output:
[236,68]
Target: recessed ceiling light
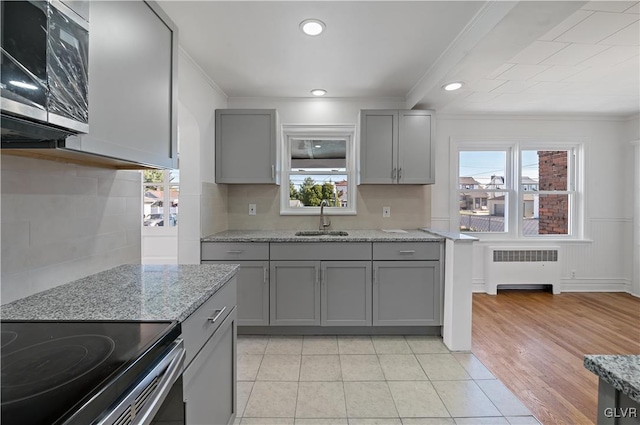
[453,86]
[318,92]
[312,26]
[318,146]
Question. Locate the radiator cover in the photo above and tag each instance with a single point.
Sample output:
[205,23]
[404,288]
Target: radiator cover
[522,266]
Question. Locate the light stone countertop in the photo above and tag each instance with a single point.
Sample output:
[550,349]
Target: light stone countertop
[127,292]
[622,372]
[414,235]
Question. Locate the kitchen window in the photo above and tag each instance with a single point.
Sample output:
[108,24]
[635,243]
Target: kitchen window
[161,189]
[519,189]
[318,165]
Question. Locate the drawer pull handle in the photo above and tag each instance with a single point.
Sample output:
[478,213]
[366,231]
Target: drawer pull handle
[408,251]
[273,172]
[217,315]
[235,251]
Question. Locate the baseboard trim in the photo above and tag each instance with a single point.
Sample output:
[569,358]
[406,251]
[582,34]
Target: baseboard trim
[340,330]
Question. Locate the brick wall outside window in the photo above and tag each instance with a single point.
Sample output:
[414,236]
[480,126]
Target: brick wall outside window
[554,209]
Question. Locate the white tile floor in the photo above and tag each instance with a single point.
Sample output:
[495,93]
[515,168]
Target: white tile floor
[362,380]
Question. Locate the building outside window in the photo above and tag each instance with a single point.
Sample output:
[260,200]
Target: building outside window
[519,189]
[161,189]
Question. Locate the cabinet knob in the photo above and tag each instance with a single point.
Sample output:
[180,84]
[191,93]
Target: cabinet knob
[393,173]
[216,315]
[399,173]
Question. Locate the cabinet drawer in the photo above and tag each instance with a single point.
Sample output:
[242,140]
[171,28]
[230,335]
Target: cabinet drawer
[198,327]
[406,251]
[319,251]
[234,251]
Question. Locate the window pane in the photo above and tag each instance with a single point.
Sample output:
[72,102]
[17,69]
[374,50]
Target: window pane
[483,211]
[174,192]
[174,176]
[153,176]
[482,169]
[549,169]
[318,155]
[545,215]
[310,190]
[153,208]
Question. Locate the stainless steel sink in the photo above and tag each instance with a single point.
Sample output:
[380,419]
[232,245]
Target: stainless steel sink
[322,233]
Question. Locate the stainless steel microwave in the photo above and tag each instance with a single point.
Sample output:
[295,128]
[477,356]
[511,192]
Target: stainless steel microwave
[44,76]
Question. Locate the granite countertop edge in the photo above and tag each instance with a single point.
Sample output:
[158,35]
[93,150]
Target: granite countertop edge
[413,235]
[127,293]
[621,371]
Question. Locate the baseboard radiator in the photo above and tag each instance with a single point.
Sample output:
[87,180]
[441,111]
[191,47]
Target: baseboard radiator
[522,266]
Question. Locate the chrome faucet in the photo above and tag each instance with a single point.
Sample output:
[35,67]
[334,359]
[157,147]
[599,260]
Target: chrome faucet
[323,222]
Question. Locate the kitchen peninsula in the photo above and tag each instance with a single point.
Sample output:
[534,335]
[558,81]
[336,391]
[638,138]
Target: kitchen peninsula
[352,281]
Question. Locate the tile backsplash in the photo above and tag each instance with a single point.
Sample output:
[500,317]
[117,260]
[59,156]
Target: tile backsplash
[61,222]
[410,208]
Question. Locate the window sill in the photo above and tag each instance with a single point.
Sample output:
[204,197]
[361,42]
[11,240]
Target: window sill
[483,238]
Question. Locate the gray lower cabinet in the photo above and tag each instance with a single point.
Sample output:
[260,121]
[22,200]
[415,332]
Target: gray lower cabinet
[406,293]
[252,276]
[295,293]
[253,291]
[345,293]
[210,380]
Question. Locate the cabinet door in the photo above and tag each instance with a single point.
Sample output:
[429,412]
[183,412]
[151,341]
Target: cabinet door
[415,149]
[378,145]
[406,293]
[246,146]
[253,291]
[295,293]
[346,293]
[133,52]
[210,380]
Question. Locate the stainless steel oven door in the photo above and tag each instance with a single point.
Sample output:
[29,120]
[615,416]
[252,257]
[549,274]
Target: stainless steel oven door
[157,397]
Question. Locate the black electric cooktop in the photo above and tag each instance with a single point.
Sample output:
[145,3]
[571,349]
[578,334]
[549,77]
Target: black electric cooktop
[70,372]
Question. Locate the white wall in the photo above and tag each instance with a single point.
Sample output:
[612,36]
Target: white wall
[410,207]
[203,209]
[61,222]
[633,135]
[604,261]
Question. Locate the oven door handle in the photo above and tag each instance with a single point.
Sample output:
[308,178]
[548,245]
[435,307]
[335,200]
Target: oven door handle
[170,368]
[173,372]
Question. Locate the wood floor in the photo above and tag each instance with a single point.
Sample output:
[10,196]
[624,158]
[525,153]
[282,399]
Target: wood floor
[534,343]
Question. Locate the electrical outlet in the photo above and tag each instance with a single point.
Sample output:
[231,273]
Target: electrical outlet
[573,274]
[252,209]
[386,211]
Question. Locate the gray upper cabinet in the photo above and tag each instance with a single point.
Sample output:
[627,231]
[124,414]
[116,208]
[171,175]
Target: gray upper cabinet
[396,147]
[133,53]
[246,146]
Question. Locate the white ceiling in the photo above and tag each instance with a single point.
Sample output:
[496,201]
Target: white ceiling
[528,57]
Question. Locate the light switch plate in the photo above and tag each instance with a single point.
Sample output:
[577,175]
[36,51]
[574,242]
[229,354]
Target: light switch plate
[252,209]
[386,211]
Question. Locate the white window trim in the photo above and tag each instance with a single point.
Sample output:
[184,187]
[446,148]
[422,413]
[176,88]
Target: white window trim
[296,131]
[514,146]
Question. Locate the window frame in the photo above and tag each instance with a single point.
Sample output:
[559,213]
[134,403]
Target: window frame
[513,184]
[332,131]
